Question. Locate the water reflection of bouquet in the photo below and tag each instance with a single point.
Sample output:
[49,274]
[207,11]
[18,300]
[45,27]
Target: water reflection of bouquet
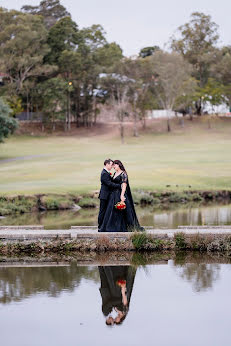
[121,282]
[120,205]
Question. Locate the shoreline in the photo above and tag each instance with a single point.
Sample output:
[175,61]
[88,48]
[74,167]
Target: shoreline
[20,204]
[78,239]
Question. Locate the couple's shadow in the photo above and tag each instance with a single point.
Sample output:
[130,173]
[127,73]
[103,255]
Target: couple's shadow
[116,289]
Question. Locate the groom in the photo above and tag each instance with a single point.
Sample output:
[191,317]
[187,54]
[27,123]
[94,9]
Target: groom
[107,186]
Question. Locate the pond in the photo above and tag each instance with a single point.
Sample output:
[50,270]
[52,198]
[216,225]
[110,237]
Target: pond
[173,301]
[170,216]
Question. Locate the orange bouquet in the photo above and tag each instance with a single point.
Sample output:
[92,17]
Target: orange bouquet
[120,205]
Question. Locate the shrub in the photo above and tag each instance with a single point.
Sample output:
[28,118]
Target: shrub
[55,202]
[139,240]
[88,202]
[144,198]
[180,240]
[18,204]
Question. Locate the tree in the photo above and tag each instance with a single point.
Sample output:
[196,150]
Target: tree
[63,36]
[117,86]
[197,46]
[50,10]
[23,46]
[83,65]
[221,70]
[55,96]
[7,124]
[148,51]
[170,72]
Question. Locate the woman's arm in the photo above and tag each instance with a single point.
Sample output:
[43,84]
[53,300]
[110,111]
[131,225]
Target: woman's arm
[124,186]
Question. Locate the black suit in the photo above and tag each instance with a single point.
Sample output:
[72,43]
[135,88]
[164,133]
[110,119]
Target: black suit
[106,187]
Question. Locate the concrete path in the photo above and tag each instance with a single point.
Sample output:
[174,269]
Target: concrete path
[84,232]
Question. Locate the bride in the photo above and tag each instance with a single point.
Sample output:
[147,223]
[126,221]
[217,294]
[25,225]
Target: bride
[118,220]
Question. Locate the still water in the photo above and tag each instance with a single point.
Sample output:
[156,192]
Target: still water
[170,217]
[169,302]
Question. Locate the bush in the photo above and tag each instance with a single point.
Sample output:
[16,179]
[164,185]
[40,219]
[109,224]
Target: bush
[144,241]
[139,240]
[180,240]
[19,204]
[56,202]
[88,202]
[144,198]
[7,125]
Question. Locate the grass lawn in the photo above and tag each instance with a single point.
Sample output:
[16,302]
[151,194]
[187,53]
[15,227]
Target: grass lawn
[193,155]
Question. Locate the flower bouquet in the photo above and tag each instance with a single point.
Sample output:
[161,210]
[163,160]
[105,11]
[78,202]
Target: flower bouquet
[120,205]
[121,282]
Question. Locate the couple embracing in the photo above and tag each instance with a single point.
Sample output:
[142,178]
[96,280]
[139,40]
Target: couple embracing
[117,211]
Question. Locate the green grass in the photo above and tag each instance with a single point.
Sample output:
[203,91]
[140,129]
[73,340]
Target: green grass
[192,156]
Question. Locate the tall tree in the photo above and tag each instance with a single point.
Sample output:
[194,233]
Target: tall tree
[23,46]
[50,10]
[197,44]
[62,36]
[170,72]
[83,65]
[221,70]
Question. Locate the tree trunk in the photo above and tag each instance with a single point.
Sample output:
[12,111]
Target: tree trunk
[181,121]
[135,129]
[168,125]
[144,119]
[27,106]
[68,112]
[198,107]
[122,128]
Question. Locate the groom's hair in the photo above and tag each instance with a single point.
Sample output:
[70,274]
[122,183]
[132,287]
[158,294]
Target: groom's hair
[107,161]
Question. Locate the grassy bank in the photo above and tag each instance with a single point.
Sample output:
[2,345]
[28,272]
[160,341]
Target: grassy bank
[193,157]
[21,204]
[138,242]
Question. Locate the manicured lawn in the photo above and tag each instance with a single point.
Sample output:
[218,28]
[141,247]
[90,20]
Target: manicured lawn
[193,156]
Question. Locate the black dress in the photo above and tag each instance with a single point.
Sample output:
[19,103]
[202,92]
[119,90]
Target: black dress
[110,291]
[120,220]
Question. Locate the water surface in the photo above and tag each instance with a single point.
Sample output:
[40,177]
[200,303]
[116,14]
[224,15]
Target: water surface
[170,216]
[169,302]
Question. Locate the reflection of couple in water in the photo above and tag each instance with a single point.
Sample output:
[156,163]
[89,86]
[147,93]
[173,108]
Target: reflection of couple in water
[116,289]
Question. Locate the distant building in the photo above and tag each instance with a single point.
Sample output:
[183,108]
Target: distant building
[163,113]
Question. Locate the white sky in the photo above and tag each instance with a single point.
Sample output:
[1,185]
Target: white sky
[134,24]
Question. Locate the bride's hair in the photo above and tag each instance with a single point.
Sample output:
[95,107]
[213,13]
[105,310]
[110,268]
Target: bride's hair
[121,166]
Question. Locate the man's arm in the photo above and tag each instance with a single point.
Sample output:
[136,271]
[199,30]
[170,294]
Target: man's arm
[105,179]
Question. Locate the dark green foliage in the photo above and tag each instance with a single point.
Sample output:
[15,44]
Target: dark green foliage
[180,240]
[145,242]
[148,51]
[62,36]
[139,240]
[7,125]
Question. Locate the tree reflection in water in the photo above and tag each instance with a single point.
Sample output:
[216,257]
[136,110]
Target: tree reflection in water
[116,289]
[18,283]
[201,275]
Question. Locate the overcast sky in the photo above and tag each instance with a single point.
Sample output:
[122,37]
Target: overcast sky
[134,24]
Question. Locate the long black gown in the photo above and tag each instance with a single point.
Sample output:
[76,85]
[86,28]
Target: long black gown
[120,220]
[110,291]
